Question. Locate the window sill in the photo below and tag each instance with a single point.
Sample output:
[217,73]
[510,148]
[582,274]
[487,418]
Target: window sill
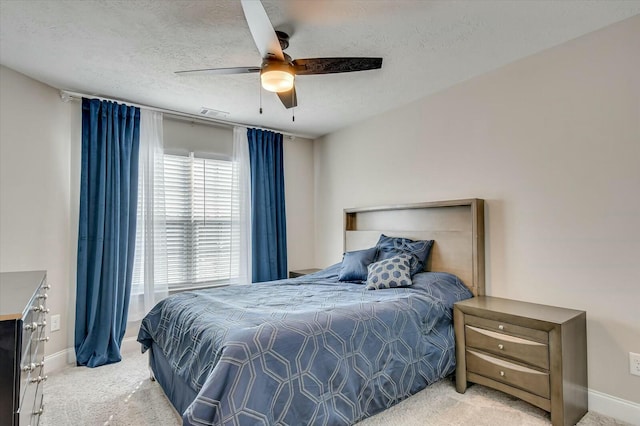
[198,287]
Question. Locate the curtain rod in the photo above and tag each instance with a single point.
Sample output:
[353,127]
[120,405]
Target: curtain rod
[67,96]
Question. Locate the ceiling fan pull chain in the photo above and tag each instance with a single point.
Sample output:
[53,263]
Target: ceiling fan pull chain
[260,91]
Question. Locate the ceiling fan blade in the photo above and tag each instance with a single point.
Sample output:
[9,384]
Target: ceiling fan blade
[220,71]
[289,98]
[261,29]
[335,65]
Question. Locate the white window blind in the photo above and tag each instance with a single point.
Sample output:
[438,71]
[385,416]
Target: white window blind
[198,199]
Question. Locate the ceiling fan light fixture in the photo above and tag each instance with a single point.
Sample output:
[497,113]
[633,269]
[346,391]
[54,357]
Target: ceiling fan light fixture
[277,77]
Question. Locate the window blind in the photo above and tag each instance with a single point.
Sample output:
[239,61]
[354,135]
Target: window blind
[199,205]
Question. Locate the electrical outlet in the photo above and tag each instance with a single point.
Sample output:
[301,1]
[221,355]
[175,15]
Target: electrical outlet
[55,322]
[634,363]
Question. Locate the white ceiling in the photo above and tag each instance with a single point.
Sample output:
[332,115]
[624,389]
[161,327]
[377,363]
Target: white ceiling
[129,50]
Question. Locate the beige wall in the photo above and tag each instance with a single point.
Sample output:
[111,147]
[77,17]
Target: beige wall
[298,188]
[552,142]
[35,190]
[188,136]
[40,156]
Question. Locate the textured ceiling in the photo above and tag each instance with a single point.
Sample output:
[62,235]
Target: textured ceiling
[130,49]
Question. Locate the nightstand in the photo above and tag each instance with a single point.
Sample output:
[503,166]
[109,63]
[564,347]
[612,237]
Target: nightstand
[537,353]
[301,272]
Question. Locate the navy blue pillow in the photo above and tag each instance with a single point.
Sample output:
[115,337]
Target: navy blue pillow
[418,250]
[354,264]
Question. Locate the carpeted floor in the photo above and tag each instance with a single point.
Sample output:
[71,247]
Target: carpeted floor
[122,394]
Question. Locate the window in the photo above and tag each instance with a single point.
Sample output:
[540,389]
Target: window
[198,197]
[200,250]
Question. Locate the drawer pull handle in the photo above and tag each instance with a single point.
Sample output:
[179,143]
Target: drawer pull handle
[33,366]
[44,339]
[39,412]
[502,373]
[35,325]
[43,296]
[500,346]
[39,379]
[47,286]
[40,308]
[501,327]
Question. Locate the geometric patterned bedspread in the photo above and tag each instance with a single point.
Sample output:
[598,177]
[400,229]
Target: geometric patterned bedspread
[305,351]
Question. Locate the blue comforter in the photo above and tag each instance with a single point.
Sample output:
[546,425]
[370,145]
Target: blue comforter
[309,350]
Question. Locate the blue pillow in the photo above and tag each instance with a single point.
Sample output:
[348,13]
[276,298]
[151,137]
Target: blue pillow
[390,273]
[418,250]
[354,264]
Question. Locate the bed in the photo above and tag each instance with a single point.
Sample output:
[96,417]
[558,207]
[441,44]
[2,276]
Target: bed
[315,350]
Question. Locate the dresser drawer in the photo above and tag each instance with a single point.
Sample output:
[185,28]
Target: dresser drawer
[495,368]
[33,339]
[27,399]
[29,327]
[505,327]
[504,345]
[38,407]
[29,374]
[32,387]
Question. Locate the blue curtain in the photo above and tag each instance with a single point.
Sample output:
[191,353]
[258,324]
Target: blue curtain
[107,229]
[268,217]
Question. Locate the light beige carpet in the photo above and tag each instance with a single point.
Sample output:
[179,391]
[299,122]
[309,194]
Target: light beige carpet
[122,394]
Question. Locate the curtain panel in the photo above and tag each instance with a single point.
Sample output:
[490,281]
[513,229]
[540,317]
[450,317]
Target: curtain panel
[268,215]
[107,229]
[150,280]
[241,207]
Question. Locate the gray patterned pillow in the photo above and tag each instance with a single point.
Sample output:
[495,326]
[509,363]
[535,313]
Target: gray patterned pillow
[389,273]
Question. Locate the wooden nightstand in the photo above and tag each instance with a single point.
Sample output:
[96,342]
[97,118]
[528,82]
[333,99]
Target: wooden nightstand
[301,272]
[537,353]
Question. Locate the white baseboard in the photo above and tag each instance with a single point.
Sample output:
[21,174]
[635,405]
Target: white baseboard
[67,357]
[60,360]
[615,407]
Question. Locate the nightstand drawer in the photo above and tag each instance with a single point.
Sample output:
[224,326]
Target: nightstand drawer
[528,379]
[504,345]
[505,327]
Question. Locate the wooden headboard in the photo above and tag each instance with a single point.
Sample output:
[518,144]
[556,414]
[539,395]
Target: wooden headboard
[457,228]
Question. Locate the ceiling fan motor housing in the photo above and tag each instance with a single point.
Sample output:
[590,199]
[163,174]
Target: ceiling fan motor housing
[277,76]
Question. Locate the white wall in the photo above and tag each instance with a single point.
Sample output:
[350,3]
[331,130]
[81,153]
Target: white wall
[35,190]
[552,143]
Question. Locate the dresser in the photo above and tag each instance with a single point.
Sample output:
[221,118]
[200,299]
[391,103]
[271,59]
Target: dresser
[535,352]
[23,313]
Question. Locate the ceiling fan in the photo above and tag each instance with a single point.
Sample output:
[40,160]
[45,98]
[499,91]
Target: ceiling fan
[278,70]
